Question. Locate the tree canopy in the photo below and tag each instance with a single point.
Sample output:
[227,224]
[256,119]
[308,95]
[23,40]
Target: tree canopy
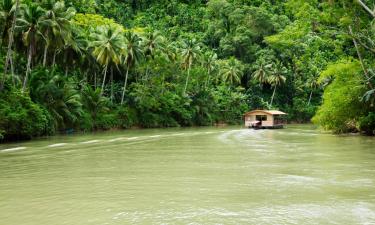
[93,64]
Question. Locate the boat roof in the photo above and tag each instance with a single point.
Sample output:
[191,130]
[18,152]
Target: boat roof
[270,112]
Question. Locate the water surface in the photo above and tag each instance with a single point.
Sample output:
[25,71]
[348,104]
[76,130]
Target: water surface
[226,175]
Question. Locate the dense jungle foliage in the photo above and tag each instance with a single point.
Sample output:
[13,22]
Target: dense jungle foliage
[95,64]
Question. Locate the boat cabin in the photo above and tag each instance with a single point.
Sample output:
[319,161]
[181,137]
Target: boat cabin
[263,119]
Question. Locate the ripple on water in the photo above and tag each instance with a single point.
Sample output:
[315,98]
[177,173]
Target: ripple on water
[57,145]
[116,139]
[133,138]
[90,142]
[13,149]
[328,213]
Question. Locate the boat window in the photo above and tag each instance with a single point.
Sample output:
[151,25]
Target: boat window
[261,117]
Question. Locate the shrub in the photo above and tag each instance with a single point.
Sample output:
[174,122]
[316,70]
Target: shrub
[367,124]
[126,117]
[20,118]
[341,100]
[106,121]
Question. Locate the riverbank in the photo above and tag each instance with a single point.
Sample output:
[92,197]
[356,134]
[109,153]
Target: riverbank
[25,117]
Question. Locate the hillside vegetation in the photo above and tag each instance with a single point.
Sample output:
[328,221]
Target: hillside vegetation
[95,64]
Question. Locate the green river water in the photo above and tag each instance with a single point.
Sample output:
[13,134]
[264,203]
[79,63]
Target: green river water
[229,175]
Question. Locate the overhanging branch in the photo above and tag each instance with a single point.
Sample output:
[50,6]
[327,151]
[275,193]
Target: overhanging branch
[372,13]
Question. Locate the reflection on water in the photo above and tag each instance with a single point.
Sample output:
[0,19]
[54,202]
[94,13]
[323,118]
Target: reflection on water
[228,175]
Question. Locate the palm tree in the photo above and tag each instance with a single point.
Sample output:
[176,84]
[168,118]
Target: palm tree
[210,63]
[277,77]
[94,102]
[30,23]
[232,71]
[172,52]
[57,95]
[133,54]
[76,47]
[311,83]
[107,44]
[189,52]
[9,21]
[57,27]
[153,43]
[6,17]
[262,70]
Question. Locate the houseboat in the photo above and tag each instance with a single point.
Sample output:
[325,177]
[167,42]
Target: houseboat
[265,119]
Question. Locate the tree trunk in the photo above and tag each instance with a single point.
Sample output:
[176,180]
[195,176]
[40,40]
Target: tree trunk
[95,80]
[187,80]
[310,97]
[10,44]
[273,95]
[125,83]
[66,63]
[45,55]
[54,58]
[28,68]
[104,77]
[208,79]
[12,70]
[111,83]
[147,68]
[162,84]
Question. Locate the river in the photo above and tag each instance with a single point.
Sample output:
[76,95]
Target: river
[229,175]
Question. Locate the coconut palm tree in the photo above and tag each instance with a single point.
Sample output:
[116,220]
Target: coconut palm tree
[8,16]
[107,44]
[153,44]
[278,70]
[57,28]
[311,83]
[210,63]
[232,71]
[190,51]
[133,54]
[94,102]
[172,52]
[57,94]
[262,70]
[30,24]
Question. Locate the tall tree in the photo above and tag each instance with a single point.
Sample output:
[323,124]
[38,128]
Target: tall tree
[107,44]
[312,83]
[190,51]
[6,18]
[277,77]
[7,8]
[153,44]
[262,70]
[57,28]
[133,53]
[31,24]
[210,63]
[232,71]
